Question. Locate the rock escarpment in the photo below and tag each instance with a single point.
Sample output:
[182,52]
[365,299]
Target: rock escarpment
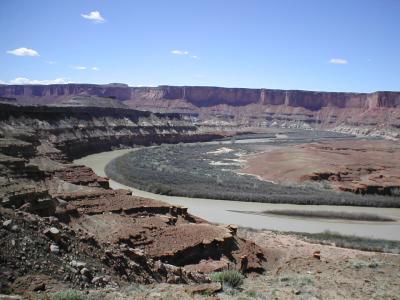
[375,113]
[78,131]
[60,223]
[202,96]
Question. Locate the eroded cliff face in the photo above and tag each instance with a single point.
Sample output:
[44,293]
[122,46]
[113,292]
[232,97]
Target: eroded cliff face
[360,113]
[78,131]
[202,96]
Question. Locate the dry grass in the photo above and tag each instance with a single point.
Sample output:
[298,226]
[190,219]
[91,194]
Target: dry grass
[351,241]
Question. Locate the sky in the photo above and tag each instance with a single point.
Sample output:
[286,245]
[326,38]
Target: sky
[341,45]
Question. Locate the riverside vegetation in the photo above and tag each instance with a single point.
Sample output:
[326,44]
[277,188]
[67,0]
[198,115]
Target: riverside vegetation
[190,170]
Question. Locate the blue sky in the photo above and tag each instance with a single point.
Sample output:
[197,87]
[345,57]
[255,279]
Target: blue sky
[341,45]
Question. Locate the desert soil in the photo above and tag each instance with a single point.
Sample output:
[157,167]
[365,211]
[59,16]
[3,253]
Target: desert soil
[361,166]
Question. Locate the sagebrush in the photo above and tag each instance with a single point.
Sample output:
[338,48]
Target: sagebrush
[229,278]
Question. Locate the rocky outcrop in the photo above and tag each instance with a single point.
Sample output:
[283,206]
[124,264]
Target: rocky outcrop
[81,175]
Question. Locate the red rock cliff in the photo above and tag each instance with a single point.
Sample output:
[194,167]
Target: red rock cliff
[202,96]
[378,111]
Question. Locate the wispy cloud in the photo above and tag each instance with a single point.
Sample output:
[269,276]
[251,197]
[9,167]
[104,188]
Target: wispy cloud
[79,67]
[24,80]
[23,52]
[180,52]
[82,68]
[94,16]
[184,53]
[338,61]
[51,62]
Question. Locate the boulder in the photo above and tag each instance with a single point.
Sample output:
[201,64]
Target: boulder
[317,254]
[54,248]
[7,224]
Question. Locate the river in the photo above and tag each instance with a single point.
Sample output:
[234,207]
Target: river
[221,211]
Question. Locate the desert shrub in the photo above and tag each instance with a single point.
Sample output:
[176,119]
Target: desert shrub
[301,284]
[251,293]
[395,192]
[359,264]
[229,278]
[70,295]
[297,280]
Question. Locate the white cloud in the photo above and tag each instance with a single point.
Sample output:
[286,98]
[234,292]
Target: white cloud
[338,61]
[23,80]
[85,68]
[2,82]
[94,16]
[180,52]
[184,53]
[51,62]
[23,52]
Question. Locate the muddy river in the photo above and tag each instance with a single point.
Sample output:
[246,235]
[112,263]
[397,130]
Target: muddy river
[221,211]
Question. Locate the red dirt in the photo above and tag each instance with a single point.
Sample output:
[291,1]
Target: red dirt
[358,166]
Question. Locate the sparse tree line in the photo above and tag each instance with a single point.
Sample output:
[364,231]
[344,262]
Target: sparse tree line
[185,170]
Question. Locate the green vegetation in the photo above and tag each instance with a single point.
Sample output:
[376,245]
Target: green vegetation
[330,215]
[228,278]
[293,134]
[201,171]
[70,295]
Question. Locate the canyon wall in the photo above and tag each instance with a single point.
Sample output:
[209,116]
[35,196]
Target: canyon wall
[375,113]
[78,131]
[202,96]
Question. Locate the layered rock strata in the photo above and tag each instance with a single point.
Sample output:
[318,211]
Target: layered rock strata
[375,113]
[78,131]
[62,222]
